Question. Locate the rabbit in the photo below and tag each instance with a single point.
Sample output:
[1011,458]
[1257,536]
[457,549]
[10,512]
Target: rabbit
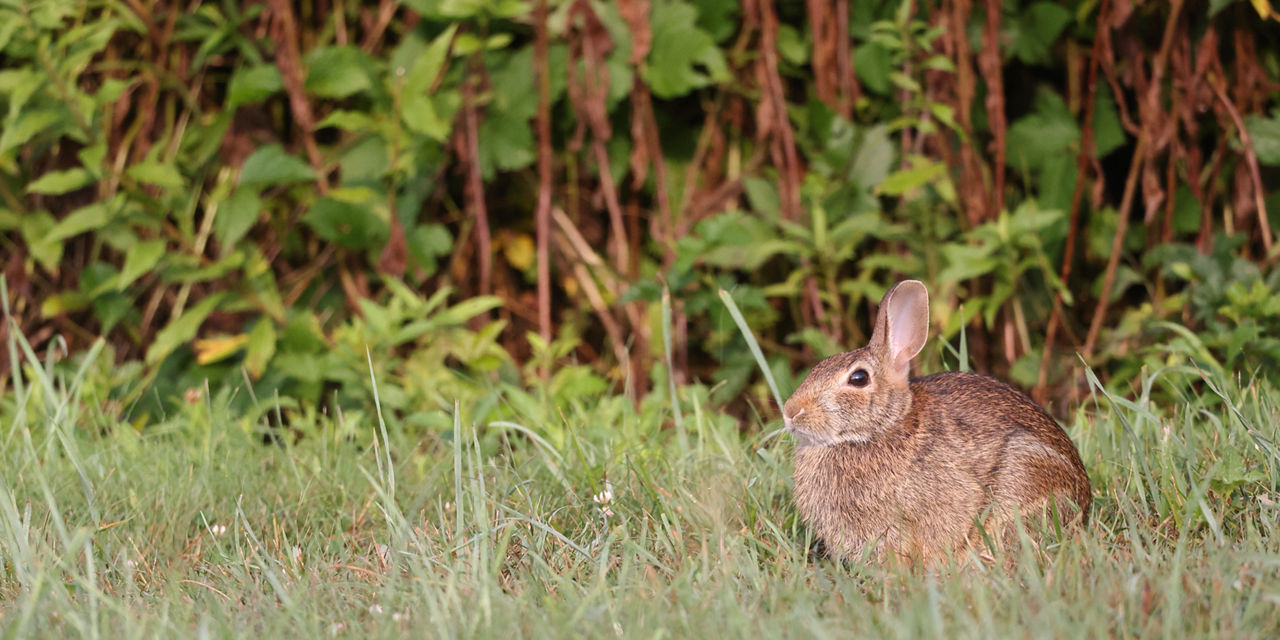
[890,465]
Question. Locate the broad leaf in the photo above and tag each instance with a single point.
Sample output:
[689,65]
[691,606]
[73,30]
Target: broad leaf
[261,347]
[1265,135]
[182,329]
[251,85]
[59,182]
[683,57]
[140,259]
[236,215]
[353,226]
[270,166]
[338,72]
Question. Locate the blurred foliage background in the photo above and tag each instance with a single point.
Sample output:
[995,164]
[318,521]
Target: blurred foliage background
[264,201]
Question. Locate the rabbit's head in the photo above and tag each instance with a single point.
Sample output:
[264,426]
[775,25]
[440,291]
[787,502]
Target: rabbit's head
[850,397]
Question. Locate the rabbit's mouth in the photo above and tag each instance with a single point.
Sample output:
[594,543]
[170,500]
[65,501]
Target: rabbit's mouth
[804,437]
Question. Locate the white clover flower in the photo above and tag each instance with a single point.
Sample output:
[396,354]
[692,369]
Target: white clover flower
[375,609]
[604,498]
[218,529]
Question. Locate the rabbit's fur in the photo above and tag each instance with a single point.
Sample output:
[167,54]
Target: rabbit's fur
[912,467]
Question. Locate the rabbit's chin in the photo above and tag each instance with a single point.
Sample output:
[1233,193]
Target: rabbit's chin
[811,439]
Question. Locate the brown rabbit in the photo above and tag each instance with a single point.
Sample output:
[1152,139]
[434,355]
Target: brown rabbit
[885,463]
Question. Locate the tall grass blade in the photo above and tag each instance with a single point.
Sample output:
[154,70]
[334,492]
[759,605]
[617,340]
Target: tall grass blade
[753,346]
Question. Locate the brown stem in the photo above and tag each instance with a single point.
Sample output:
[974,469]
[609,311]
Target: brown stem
[1073,224]
[544,173]
[1251,158]
[289,60]
[777,105]
[1117,244]
[1122,225]
[824,50]
[475,184]
[850,92]
[989,60]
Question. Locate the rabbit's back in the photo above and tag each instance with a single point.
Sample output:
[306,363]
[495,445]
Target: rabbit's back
[1015,449]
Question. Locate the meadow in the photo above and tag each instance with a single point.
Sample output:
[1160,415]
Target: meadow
[430,318]
[624,523]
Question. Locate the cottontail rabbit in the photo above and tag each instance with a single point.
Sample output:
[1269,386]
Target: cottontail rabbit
[885,463]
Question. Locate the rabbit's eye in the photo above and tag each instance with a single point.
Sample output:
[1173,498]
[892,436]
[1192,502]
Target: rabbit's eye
[860,378]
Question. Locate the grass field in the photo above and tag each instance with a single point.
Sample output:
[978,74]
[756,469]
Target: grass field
[615,523]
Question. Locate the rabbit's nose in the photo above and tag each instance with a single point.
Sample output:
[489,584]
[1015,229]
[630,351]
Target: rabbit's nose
[789,413]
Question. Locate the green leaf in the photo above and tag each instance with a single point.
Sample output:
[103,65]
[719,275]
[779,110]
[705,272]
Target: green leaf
[875,157]
[922,172]
[1186,210]
[1265,135]
[83,42]
[762,196]
[251,85]
[27,124]
[683,57]
[346,120]
[157,173]
[421,116]
[791,45]
[182,329]
[183,268]
[92,157]
[1058,181]
[465,310]
[1035,29]
[365,162]
[419,108]
[427,243]
[63,302]
[9,219]
[270,166]
[59,182]
[351,225]
[86,218]
[110,91]
[1048,131]
[513,82]
[1216,6]
[338,72]
[1108,134]
[262,345]
[36,227]
[141,258]
[236,215]
[506,143]
[873,63]
[718,17]
[966,261]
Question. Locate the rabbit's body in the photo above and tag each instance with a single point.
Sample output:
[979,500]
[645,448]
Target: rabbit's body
[911,466]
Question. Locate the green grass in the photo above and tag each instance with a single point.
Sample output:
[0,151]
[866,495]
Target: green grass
[197,528]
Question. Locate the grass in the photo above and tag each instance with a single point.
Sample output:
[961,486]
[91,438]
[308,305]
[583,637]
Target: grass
[196,528]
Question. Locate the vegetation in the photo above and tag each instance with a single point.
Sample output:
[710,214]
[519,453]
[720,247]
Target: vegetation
[470,317]
[599,522]
[228,190]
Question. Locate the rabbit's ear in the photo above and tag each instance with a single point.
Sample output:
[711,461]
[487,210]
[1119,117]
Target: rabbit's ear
[902,326]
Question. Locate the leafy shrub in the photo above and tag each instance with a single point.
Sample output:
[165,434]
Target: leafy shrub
[248,191]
